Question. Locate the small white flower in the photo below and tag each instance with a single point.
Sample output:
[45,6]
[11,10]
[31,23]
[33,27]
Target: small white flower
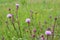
[9,15]
[28,20]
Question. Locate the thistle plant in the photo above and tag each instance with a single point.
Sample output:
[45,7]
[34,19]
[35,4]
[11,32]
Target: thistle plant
[11,17]
[48,33]
[17,7]
[28,21]
[55,19]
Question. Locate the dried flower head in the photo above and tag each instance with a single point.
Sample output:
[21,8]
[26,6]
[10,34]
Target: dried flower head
[17,6]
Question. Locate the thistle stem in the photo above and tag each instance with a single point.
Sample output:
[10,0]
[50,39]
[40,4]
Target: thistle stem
[53,30]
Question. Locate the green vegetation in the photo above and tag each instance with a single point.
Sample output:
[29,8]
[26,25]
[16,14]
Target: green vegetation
[42,10]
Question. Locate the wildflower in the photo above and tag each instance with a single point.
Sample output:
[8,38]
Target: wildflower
[48,32]
[17,4]
[28,20]
[9,15]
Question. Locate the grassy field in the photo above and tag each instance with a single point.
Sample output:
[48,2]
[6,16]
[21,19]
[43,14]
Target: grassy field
[44,12]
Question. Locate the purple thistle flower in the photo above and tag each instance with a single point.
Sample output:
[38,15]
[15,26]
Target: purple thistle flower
[17,6]
[9,15]
[28,20]
[48,32]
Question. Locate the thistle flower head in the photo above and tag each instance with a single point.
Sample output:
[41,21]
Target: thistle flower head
[9,15]
[17,4]
[28,20]
[48,32]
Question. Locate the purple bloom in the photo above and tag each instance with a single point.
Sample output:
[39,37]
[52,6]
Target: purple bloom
[9,15]
[48,32]
[17,4]
[28,20]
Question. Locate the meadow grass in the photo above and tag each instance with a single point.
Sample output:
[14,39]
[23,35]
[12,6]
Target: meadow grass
[42,10]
